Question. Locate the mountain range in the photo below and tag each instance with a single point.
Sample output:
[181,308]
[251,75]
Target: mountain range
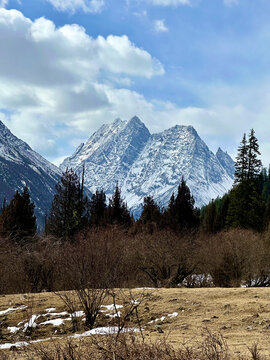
[151,164]
[122,152]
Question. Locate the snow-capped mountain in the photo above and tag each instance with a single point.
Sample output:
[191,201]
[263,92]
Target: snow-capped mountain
[20,166]
[109,154]
[145,164]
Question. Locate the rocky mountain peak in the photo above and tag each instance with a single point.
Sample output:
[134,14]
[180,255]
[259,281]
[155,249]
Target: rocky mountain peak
[145,164]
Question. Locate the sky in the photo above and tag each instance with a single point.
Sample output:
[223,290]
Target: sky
[69,66]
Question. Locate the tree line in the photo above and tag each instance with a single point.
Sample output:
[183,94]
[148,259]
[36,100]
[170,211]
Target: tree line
[246,205]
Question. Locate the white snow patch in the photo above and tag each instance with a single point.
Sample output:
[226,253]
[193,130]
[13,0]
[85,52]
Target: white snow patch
[112,307]
[55,322]
[3,312]
[104,331]
[13,329]
[17,344]
[173,315]
[49,310]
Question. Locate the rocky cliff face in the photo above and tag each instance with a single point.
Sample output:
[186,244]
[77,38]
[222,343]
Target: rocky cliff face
[145,164]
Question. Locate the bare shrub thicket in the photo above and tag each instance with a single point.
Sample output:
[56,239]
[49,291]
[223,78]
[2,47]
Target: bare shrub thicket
[165,258]
[92,266]
[113,258]
[233,258]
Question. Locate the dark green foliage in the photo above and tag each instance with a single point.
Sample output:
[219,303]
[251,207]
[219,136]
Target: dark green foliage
[213,216]
[241,164]
[246,208]
[150,211]
[248,166]
[254,164]
[210,218]
[97,208]
[68,211]
[117,212]
[181,213]
[17,220]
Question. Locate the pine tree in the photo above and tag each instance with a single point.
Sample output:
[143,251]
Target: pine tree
[254,164]
[117,211]
[181,213]
[241,164]
[210,218]
[67,215]
[97,208]
[17,220]
[150,211]
[246,207]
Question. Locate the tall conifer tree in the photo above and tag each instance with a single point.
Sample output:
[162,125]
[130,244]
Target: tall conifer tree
[17,220]
[241,164]
[254,164]
[181,213]
[67,215]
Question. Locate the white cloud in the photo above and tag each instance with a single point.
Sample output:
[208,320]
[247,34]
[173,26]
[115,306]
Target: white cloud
[52,79]
[88,6]
[169,2]
[159,26]
[3,3]
[231,2]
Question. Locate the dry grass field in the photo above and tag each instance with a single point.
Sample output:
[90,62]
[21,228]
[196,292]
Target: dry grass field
[182,315]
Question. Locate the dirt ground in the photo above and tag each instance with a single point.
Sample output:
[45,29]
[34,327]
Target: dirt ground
[241,315]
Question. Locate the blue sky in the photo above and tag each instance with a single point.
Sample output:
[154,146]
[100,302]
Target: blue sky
[68,66]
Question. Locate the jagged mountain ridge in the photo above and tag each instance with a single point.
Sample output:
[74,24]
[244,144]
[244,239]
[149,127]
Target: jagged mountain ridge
[145,164]
[20,166]
[109,153]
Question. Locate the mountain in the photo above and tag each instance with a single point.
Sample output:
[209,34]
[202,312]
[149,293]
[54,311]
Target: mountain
[145,164]
[109,154]
[20,166]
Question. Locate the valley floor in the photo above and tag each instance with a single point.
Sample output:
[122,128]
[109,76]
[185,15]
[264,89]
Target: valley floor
[241,315]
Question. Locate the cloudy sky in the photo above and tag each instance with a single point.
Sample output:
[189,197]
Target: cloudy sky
[68,66]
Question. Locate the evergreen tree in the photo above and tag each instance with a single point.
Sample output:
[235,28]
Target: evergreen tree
[254,164]
[181,213]
[17,220]
[150,211]
[210,218]
[117,211]
[97,208]
[246,207]
[67,215]
[241,164]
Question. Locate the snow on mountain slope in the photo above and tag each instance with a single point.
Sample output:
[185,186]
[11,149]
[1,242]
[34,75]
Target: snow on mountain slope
[168,156]
[109,154]
[226,161]
[20,166]
[145,164]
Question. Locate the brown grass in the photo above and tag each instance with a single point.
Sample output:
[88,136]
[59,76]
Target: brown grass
[241,316]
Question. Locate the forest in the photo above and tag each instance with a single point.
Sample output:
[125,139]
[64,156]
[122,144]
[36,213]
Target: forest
[97,243]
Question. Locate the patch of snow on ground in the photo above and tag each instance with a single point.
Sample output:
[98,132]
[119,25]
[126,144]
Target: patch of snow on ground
[164,317]
[55,322]
[104,331]
[49,310]
[31,323]
[13,329]
[3,312]
[112,307]
[173,315]
[9,345]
